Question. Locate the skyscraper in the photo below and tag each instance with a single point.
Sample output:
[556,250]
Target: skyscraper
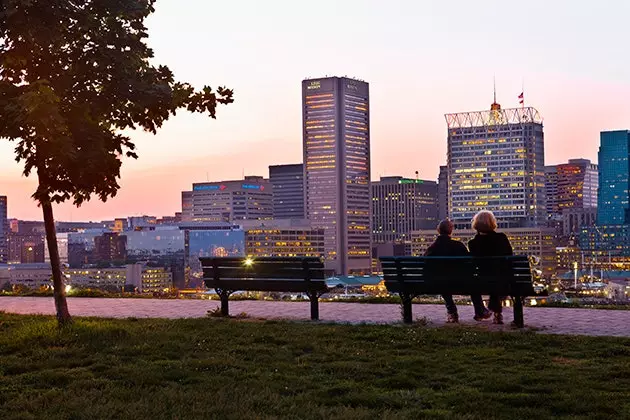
[551,191]
[496,162]
[4,230]
[443,193]
[287,182]
[614,177]
[401,206]
[336,140]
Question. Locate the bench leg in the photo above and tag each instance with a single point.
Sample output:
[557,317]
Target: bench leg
[406,308]
[518,311]
[314,298]
[224,295]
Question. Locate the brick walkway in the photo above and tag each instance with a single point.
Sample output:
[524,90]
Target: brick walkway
[549,320]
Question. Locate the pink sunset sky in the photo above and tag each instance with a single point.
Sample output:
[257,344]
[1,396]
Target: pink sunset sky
[422,59]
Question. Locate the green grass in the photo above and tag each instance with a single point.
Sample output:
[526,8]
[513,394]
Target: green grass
[241,369]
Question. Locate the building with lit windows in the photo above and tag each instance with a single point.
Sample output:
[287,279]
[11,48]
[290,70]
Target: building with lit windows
[336,140]
[443,193]
[496,162]
[287,182]
[228,201]
[4,231]
[284,238]
[139,277]
[536,242]
[401,206]
[551,191]
[614,178]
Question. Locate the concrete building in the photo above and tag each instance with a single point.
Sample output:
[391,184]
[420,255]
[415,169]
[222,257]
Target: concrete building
[443,193]
[4,231]
[228,201]
[401,206]
[62,247]
[336,140]
[496,162]
[26,248]
[536,242]
[139,277]
[287,183]
[614,178]
[32,276]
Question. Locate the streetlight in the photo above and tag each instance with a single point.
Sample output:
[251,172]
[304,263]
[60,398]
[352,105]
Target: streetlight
[575,275]
[248,262]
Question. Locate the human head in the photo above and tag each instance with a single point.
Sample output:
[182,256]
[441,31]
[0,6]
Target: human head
[445,227]
[484,222]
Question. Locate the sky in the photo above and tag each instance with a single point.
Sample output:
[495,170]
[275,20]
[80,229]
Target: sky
[422,59]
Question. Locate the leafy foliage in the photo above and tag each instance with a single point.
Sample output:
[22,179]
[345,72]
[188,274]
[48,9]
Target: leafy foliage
[73,75]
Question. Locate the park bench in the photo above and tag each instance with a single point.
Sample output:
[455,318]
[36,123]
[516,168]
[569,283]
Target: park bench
[227,275]
[415,276]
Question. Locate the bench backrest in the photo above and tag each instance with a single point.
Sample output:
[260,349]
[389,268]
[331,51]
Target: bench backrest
[273,274]
[458,275]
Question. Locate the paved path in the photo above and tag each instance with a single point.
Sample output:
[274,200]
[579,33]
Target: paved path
[549,320]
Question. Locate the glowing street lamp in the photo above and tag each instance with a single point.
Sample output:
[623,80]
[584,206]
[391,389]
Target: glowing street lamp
[248,262]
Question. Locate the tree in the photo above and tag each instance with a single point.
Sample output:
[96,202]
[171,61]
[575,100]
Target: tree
[74,74]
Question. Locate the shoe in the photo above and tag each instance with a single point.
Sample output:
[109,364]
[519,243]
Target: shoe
[452,319]
[498,318]
[486,314]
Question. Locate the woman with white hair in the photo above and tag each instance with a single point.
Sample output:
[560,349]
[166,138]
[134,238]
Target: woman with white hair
[490,243]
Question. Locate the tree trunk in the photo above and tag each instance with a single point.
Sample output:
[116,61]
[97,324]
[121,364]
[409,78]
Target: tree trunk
[59,293]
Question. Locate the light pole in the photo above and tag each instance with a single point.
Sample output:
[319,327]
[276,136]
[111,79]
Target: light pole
[575,275]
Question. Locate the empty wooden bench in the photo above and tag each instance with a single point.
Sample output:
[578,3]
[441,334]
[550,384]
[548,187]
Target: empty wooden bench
[415,276]
[268,274]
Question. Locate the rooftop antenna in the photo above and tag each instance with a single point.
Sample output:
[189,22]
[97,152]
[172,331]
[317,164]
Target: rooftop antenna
[495,106]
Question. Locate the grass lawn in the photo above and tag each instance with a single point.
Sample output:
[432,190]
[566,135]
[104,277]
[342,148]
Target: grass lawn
[241,369]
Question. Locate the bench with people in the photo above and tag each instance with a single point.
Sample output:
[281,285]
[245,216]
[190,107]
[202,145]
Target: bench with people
[487,266]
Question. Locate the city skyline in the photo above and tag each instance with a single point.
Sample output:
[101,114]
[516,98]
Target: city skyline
[419,68]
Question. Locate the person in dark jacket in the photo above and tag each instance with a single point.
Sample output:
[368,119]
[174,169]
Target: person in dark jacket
[490,243]
[445,246]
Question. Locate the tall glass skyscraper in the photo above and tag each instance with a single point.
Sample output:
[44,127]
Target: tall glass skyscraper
[496,162]
[336,140]
[614,177]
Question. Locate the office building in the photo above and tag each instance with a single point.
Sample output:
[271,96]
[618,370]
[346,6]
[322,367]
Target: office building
[571,185]
[536,242]
[4,230]
[401,206]
[26,248]
[287,182]
[443,193]
[551,191]
[110,247]
[336,140]
[228,201]
[614,177]
[283,238]
[496,162]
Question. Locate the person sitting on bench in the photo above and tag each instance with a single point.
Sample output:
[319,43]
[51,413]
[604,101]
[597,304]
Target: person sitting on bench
[445,246]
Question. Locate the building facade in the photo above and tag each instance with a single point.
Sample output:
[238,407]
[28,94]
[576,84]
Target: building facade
[443,193]
[336,146]
[536,242]
[284,242]
[401,206]
[4,231]
[110,247]
[287,182]
[228,201]
[551,192]
[614,178]
[496,162]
